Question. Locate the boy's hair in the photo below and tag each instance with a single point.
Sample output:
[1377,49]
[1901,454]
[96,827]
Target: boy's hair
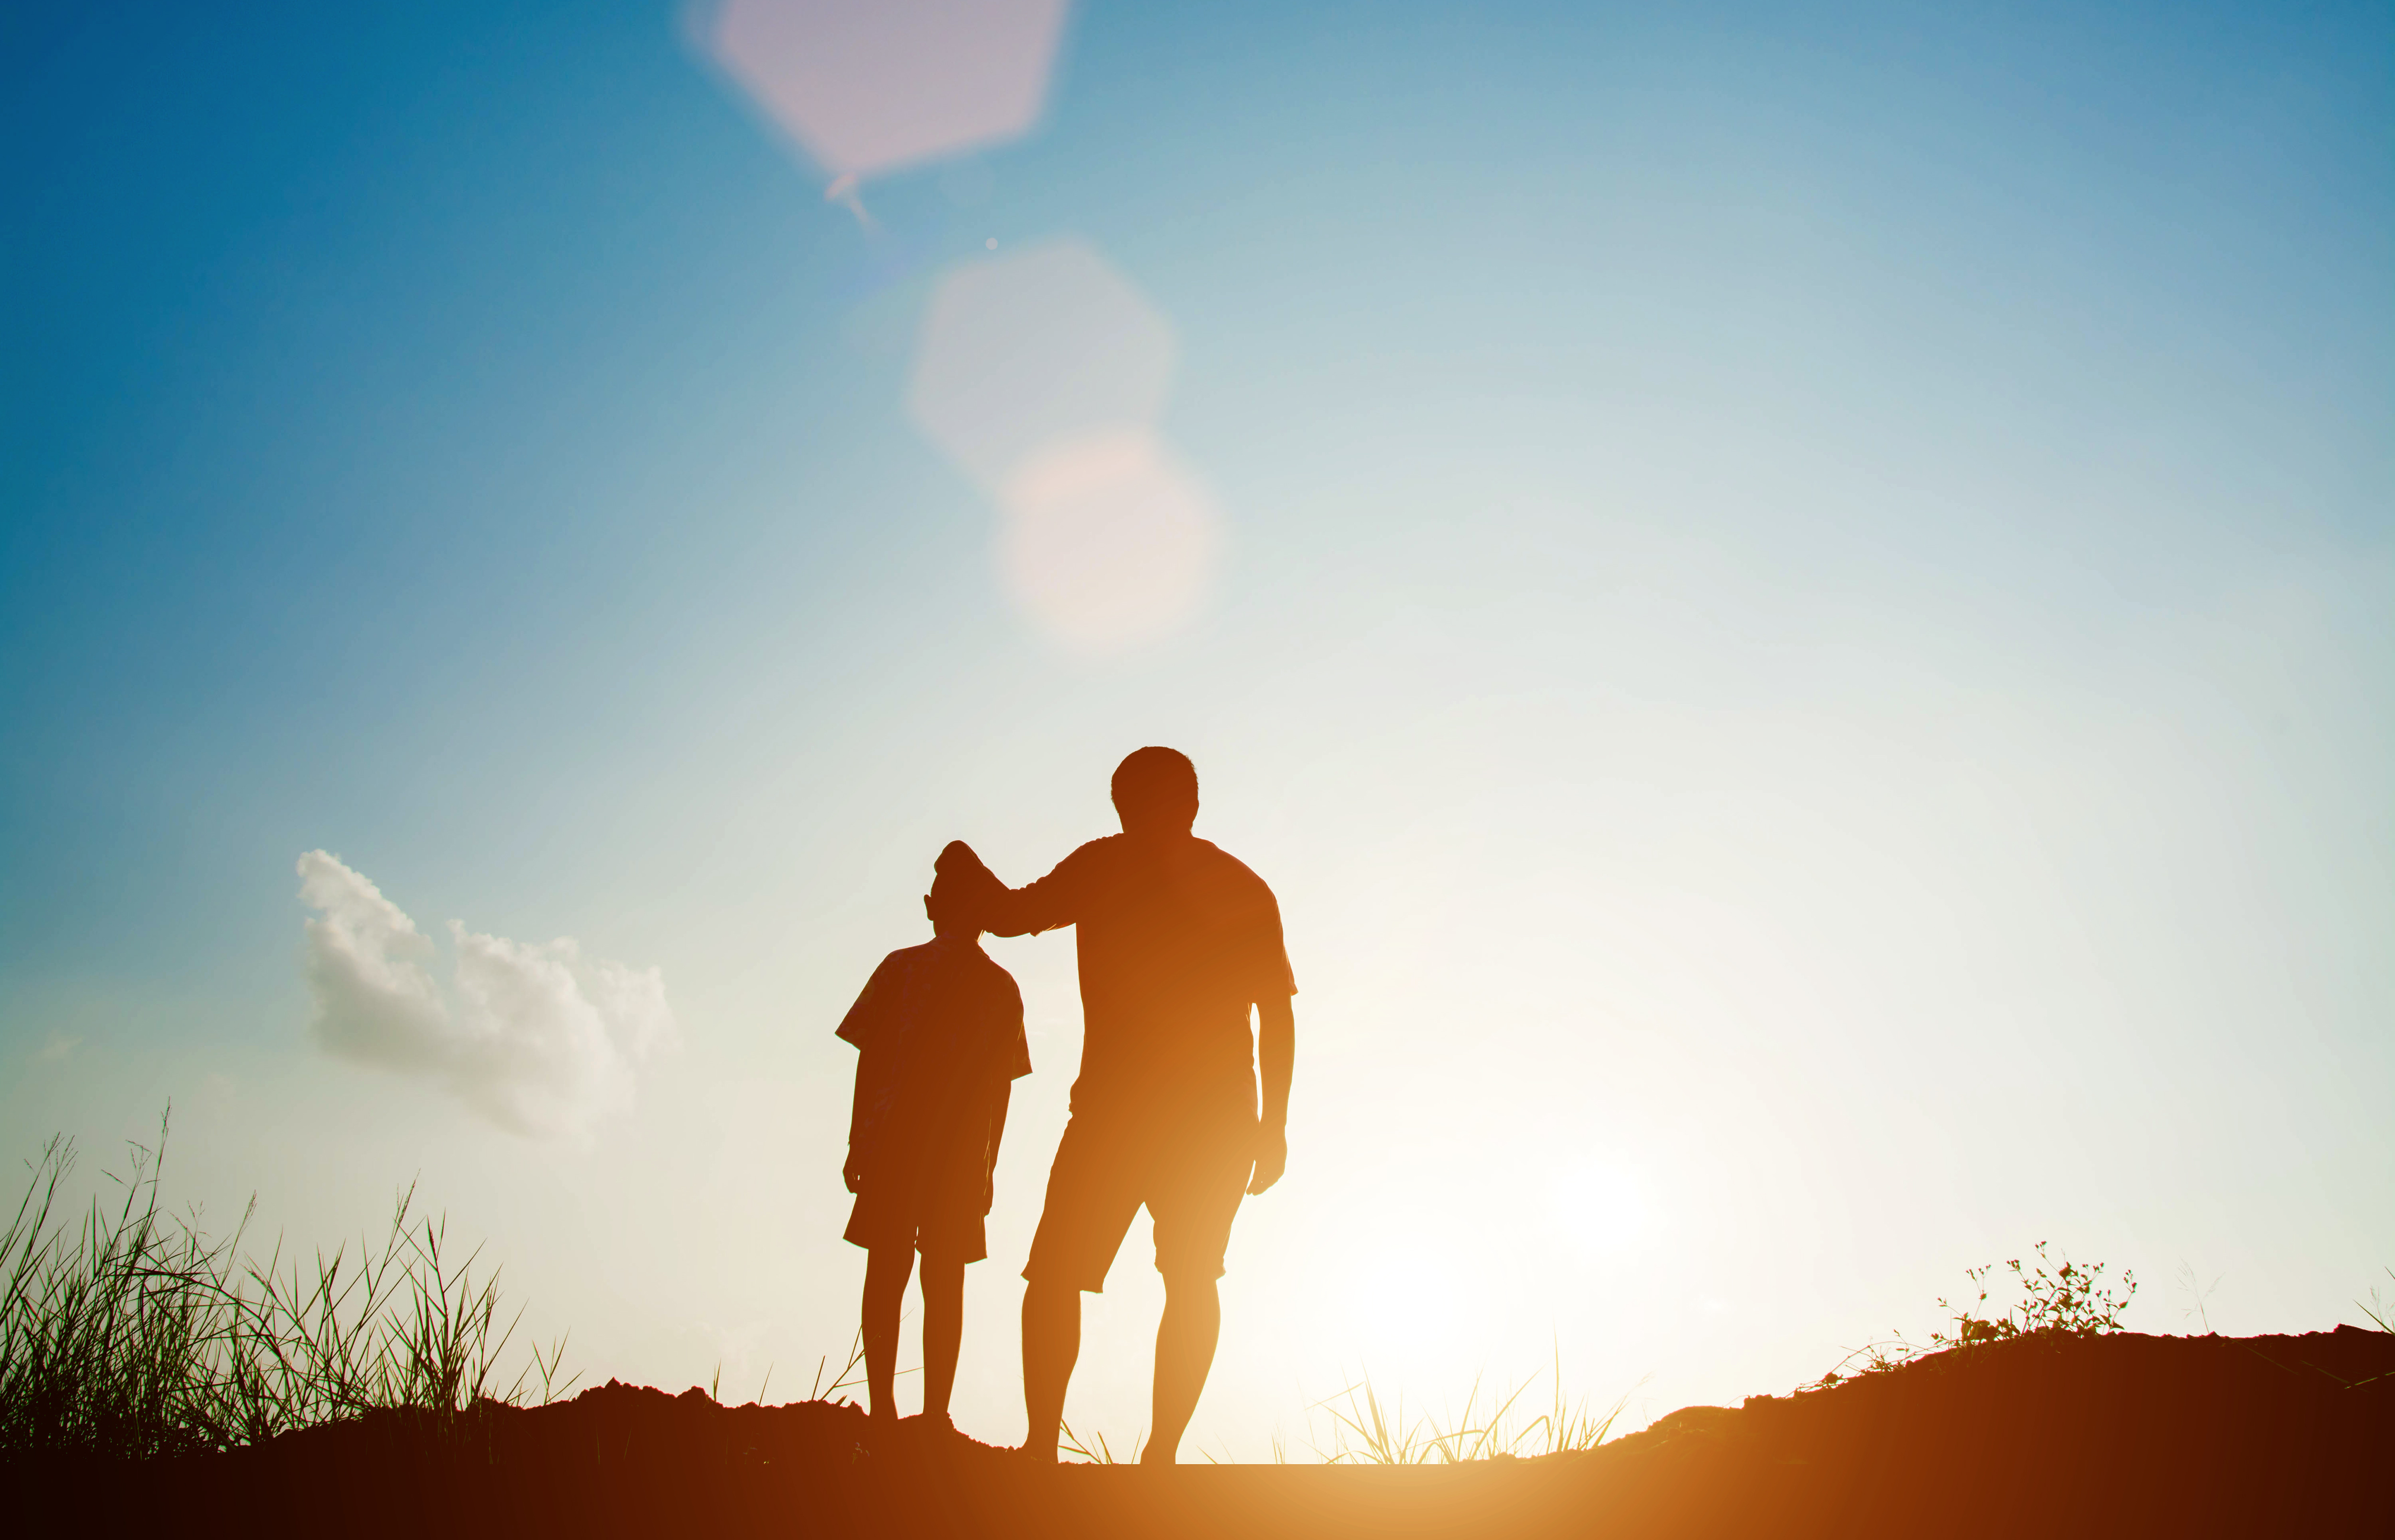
[956,876]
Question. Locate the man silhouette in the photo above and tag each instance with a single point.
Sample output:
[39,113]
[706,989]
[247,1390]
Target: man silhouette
[1176,941]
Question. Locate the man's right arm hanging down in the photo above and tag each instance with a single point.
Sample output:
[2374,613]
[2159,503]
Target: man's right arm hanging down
[1276,1057]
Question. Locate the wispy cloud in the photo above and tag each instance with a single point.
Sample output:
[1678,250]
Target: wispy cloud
[535,1037]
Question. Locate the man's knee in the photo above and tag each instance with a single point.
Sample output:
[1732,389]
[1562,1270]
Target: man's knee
[1194,1285]
[1049,1298]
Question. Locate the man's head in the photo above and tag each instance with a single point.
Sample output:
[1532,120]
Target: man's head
[1156,791]
[958,879]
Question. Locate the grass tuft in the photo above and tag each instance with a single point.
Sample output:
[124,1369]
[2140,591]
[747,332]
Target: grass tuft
[1366,1430]
[2380,1311]
[135,1334]
[1091,1451]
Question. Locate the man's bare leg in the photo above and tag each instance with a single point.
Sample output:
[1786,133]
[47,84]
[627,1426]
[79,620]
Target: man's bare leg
[1052,1345]
[944,1328]
[1184,1353]
[885,1290]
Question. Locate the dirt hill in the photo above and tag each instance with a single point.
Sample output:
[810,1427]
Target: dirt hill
[2044,1435]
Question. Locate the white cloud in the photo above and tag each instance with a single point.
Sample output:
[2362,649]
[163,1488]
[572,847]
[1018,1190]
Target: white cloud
[369,968]
[533,1036]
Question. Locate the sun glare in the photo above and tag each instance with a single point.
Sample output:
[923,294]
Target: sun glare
[1600,1210]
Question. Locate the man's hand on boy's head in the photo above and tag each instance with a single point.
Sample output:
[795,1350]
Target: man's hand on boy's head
[1272,1158]
[853,1174]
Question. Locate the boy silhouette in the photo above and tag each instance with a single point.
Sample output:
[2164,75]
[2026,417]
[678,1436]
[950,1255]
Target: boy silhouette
[939,1034]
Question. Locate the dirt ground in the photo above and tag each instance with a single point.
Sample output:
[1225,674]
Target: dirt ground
[2117,1435]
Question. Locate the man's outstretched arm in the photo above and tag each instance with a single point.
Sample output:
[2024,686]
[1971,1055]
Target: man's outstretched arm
[1021,911]
[1276,1057]
[1002,910]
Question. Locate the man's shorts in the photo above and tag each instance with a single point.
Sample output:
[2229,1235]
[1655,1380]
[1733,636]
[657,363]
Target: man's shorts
[945,1232]
[1190,1168]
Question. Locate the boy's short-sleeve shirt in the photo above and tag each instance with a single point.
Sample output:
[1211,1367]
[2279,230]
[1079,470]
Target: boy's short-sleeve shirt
[940,1031]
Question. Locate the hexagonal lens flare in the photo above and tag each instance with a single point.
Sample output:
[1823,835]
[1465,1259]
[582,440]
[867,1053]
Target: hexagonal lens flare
[1043,374]
[1024,351]
[866,87]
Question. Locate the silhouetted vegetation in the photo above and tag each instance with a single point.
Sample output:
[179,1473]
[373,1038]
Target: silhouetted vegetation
[1368,1430]
[2069,1299]
[133,1334]
[2380,1311]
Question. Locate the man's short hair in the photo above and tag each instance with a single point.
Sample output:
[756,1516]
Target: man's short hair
[1152,774]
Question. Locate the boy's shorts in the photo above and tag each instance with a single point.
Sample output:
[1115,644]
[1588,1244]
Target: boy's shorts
[1190,1169]
[952,1233]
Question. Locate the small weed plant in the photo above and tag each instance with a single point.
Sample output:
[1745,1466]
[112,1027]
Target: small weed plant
[2063,1299]
[2072,1299]
[133,1334]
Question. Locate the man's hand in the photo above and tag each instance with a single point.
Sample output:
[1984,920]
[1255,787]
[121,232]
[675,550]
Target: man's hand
[853,1174]
[1272,1158]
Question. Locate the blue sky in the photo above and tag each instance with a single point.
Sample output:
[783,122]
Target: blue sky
[1804,592]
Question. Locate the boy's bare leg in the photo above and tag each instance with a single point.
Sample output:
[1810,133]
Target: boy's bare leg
[1052,1344]
[943,1328]
[885,1290]
[1184,1353]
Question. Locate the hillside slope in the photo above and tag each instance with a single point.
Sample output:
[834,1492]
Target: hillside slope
[2055,1436]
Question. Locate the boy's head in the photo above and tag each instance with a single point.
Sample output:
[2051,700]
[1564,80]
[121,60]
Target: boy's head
[954,878]
[1156,791]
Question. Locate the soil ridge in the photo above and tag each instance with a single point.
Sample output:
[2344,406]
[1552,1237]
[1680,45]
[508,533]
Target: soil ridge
[2067,1435]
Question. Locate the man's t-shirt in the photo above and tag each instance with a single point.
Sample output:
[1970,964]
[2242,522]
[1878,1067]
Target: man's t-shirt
[1177,939]
[940,1032]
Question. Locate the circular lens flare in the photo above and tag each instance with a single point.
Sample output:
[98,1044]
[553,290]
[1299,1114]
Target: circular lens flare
[1107,541]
